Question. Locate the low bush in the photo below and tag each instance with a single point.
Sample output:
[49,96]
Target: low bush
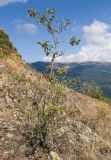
[6,46]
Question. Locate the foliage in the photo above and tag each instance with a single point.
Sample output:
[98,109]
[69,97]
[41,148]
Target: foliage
[5,45]
[55,28]
[44,116]
[94,91]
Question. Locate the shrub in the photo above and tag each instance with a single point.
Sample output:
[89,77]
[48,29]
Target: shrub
[44,116]
[94,91]
[6,46]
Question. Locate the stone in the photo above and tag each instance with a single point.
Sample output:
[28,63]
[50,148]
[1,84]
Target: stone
[54,156]
[9,135]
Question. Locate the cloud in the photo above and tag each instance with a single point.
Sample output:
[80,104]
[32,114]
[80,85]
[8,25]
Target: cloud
[98,45]
[5,2]
[23,27]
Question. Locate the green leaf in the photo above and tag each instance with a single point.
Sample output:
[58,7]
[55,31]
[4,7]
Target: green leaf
[74,41]
[32,13]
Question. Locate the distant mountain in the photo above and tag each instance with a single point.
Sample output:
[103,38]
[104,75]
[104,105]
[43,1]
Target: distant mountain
[94,72]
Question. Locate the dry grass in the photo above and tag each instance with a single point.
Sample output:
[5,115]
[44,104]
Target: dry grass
[87,111]
[89,156]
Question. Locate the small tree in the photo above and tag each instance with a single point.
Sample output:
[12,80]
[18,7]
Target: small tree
[50,107]
[55,29]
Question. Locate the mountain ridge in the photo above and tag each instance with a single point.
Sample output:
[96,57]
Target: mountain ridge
[90,72]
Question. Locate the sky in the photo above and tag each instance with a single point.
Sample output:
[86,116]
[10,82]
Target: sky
[91,24]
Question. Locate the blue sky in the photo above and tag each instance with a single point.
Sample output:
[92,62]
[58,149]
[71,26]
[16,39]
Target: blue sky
[92,24]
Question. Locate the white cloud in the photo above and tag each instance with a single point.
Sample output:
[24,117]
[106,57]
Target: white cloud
[23,27]
[98,45]
[5,2]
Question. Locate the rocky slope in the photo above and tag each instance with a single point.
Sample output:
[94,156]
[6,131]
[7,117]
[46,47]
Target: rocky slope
[81,132]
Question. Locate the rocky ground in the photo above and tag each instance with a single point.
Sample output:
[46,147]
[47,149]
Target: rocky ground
[83,132]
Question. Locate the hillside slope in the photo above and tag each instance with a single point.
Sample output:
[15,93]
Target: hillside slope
[83,132]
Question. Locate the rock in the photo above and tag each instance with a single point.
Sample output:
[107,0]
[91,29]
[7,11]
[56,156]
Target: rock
[6,155]
[54,156]
[23,149]
[8,99]
[9,135]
